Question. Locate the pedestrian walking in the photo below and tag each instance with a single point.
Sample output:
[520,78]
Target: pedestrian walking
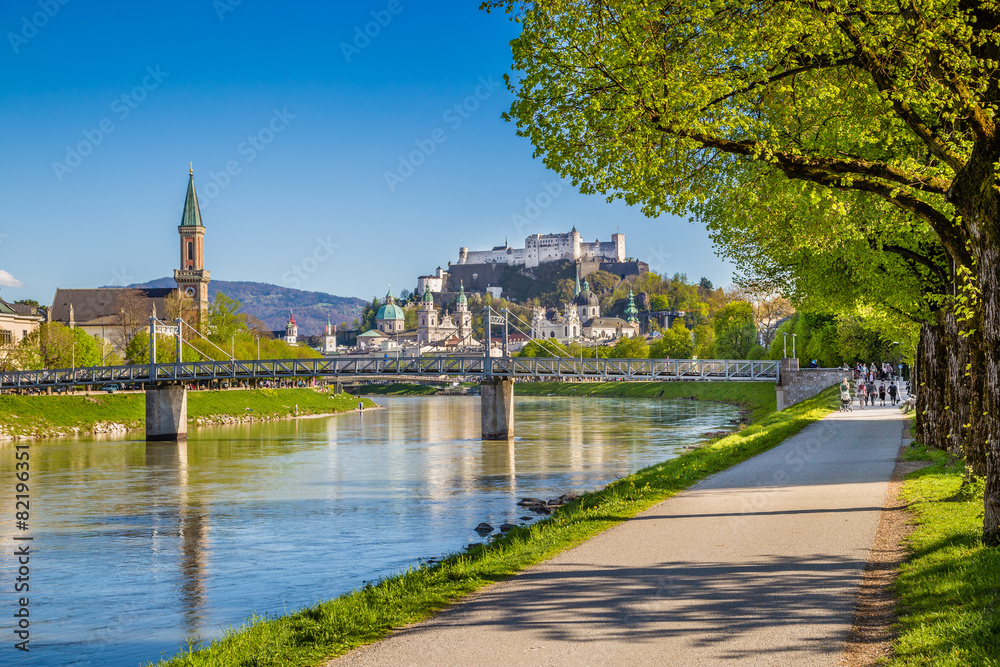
[893,392]
[862,393]
[881,393]
[872,392]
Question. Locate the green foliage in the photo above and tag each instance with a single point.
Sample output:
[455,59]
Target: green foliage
[630,348]
[54,345]
[674,343]
[704,341]
[736,340]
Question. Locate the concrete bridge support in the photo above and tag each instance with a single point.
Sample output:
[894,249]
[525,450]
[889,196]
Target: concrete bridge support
[497,398]
[166,412]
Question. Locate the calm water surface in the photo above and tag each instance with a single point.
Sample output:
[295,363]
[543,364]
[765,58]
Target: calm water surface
[141,547]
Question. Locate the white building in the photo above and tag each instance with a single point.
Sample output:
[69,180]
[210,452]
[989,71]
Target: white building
[291,330]
[542,248]
[329,338]
[17,322]
[433,283]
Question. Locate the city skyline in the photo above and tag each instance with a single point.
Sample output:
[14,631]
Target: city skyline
[335,149]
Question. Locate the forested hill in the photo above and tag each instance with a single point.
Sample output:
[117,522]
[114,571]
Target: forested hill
[272,303]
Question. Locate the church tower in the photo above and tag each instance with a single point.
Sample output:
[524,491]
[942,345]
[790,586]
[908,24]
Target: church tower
[192,278]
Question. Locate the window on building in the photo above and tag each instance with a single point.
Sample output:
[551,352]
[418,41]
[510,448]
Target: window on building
[190,250]
[6,337]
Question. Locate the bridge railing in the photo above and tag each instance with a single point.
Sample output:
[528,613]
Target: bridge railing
[453,367]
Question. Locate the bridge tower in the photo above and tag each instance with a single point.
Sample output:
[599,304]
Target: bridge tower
[192,278]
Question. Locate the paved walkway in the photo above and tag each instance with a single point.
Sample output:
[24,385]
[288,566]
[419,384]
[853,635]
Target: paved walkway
[757,565]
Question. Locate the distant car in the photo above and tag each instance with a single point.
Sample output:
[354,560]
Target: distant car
[112,388]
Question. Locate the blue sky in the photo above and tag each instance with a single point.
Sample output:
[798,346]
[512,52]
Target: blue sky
[293,117]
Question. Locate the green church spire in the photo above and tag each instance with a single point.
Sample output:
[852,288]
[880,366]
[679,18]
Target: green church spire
[192,214]
[631,312]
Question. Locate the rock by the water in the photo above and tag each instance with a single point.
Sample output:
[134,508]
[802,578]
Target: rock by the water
[526,502]
[506,527]
[484,528]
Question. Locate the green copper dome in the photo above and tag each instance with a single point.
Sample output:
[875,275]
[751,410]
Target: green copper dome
[428,297]
[461,293]
[390,311]
[585,297]
[631,311]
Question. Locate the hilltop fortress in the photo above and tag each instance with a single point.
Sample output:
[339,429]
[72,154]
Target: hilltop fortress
[542,248]
[486,270]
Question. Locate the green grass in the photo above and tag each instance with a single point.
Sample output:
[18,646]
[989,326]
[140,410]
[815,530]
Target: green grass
[757,397]
[949,588]
[270,402]
[31,415]
[310,636]
[398,389]
[52,415]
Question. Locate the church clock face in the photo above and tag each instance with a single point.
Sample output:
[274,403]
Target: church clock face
[189,292]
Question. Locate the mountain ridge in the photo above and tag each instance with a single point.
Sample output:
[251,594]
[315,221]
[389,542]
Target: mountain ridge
[272,304]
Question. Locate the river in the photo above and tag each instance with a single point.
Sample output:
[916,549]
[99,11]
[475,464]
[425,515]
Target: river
[141,547]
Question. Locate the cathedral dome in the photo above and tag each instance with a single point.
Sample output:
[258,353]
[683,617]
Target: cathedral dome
[586,297]
[390,311]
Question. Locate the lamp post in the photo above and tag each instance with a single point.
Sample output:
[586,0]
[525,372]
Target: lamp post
[73,365]
[794,356]
[784,352]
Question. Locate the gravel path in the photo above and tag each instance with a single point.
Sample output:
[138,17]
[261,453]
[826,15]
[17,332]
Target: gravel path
[758,565]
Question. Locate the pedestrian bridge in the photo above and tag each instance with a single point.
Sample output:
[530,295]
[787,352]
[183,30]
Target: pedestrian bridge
[166,383]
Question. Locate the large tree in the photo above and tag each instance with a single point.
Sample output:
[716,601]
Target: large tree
[670,104]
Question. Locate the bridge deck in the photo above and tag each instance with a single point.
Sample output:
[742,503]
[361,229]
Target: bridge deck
[469,368]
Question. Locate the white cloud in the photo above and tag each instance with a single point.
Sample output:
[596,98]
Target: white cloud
[7,280]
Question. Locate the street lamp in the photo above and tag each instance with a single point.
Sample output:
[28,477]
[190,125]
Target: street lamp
[793,347]
[785,349]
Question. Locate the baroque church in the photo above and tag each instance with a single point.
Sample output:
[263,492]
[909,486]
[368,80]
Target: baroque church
[582,319]
[433,327]
[115,314]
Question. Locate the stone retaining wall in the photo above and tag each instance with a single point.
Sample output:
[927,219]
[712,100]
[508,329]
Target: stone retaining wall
[798,385]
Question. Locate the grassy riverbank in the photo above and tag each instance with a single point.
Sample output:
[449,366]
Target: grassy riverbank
[756,397]
[949,588]
[309,637]
[44,416]
[398,389]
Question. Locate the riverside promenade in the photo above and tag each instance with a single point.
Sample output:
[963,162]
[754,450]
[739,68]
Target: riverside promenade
[757,565]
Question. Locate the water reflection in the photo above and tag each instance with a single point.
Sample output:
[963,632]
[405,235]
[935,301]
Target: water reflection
[144,546]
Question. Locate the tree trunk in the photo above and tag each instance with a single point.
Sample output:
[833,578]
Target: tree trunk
[988,264]
[974,194]
[929,385]
[967,424]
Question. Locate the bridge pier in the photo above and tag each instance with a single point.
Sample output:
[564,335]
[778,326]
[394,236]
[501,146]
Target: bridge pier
[166,412]
[497,401]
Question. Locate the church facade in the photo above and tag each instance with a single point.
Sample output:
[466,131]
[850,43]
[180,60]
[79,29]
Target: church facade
[434,327]
[582,319]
